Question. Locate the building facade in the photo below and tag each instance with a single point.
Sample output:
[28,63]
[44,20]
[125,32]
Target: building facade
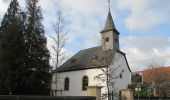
[88,67]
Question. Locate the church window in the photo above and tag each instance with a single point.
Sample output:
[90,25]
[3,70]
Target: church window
[84,83]
[121,76]
[66,84]
[107,39]
[94,58]
[116,40]
[73,60]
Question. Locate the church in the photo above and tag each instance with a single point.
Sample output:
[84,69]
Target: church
[89,67]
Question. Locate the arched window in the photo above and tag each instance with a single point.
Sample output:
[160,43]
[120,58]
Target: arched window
[84,83]
[66,84]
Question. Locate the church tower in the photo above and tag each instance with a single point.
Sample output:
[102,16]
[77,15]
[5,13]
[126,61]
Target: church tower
[110,35]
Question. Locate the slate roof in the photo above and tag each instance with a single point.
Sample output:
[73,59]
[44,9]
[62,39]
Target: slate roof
[109,22]
[109,25]
[86,59]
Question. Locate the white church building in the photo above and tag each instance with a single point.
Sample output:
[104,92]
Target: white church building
[88,67]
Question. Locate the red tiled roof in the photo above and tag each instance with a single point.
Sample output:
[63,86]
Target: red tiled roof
[156,74]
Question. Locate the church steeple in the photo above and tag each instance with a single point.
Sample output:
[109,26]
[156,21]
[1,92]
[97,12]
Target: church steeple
[109,23]
[110,35]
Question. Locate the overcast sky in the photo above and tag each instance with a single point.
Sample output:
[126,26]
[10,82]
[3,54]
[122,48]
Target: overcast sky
[144,26]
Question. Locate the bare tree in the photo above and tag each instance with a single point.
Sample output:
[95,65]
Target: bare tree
[59,38]
[108,75]
[157,77]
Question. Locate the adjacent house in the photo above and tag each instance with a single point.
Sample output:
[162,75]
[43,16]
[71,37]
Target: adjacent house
[156,78]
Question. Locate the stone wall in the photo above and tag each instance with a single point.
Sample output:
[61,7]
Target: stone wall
[6,97]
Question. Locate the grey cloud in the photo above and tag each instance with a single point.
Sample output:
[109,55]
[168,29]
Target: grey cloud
[142,51]
[145,15]
[146,43]
[6,1]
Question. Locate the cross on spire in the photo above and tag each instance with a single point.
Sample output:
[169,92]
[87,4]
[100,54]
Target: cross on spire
[109,4]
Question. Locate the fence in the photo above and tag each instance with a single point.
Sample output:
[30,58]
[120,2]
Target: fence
[16,97]
[113,96]
[26,92]
[151,98]
[56,92]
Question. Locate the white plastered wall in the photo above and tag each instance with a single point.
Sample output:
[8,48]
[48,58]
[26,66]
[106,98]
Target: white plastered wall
[75,78]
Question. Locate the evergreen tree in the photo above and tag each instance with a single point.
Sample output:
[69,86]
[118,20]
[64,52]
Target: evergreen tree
[12,49]
[37,54]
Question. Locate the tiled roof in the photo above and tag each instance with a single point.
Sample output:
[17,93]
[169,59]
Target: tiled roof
[86,59]
[155,74]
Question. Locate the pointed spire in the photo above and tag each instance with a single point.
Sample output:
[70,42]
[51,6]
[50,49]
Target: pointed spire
[109,23]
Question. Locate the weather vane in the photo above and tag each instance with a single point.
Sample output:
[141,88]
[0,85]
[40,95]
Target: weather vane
[109,4]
